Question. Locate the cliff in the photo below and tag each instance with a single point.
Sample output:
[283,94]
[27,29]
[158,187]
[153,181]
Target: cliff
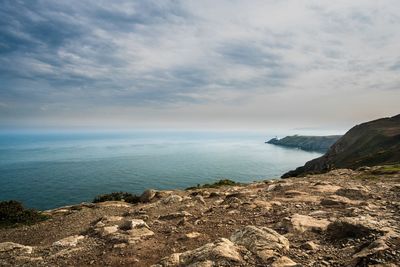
[372,143]
[310,143]
[341,218]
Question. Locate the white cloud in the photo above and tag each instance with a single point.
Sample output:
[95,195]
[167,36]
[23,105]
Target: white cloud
[259,61]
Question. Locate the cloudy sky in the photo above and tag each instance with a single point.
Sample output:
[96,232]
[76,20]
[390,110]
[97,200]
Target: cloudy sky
[225,64]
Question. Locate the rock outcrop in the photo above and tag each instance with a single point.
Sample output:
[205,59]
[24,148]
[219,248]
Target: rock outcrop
[341,218]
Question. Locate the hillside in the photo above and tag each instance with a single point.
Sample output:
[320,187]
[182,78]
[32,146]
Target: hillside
[368,144]
[341,218]
[310,143]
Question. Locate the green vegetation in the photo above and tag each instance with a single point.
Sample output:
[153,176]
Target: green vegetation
[13,213]
[117,196]
[387,169]
[223,182]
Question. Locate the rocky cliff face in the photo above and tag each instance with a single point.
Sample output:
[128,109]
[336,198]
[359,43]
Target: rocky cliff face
[341,218]
[310,143]
[368,144]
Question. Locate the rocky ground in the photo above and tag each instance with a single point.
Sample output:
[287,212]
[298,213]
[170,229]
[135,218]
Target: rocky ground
[342,218]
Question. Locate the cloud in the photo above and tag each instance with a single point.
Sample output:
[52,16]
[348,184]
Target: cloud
[139,59]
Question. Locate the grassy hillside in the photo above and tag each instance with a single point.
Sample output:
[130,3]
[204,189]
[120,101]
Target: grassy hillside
[372,143]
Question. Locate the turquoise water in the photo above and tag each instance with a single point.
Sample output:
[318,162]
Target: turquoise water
[50,170]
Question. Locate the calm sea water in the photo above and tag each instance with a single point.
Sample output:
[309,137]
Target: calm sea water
[50,170]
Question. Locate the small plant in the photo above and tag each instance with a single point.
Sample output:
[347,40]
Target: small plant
[13,213]
[223,182]
[117,196]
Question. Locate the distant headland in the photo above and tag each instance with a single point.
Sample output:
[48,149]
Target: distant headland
[309,143]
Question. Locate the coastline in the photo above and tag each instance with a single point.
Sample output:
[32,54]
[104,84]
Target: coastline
[216,225]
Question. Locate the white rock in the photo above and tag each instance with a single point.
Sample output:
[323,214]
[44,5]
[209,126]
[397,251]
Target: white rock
[222,252]
[303,223]
[172,199]
[263,241]
[10,246]
[283,262]
[70,241]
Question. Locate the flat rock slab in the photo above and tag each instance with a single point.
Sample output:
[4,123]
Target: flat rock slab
[70,241]
[222,252]
[11,246]
[302,223]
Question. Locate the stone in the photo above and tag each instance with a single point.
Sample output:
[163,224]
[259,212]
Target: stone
[11,246]
[303,223]
[221,252]
[110,229]
[284,262]
[172,199]
[310,245]
[132,224]
[192,235]
[137,234]
[262,241]
[175,215]
[71,241]
[335,201]
[147,195]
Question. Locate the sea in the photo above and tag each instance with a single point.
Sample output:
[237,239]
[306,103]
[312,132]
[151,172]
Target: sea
[45,170]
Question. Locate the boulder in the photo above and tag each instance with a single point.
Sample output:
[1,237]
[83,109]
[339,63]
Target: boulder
[263,241]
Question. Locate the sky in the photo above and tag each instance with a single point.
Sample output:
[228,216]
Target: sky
[226,64]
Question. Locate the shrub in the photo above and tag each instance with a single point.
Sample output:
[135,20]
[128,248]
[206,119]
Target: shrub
[117,196]
[13,213]
[223,182]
